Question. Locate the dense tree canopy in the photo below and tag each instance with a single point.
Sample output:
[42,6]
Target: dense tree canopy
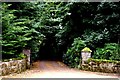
[49,29]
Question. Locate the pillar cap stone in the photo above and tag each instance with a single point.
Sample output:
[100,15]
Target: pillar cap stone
[86,49]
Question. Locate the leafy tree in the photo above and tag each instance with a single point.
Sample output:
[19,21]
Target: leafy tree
[110,52]
[73,54]
[16,32]
[54,26]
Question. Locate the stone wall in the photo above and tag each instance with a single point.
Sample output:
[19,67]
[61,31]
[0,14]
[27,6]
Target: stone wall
[101,66]
[13,66]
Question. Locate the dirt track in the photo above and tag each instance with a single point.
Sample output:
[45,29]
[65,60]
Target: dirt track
[56,69]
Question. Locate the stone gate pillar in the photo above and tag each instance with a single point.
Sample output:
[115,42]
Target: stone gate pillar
[86,54]
[27,53]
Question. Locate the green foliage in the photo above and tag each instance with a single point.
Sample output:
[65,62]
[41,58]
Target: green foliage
[73,54]
[95,38]
[18,31]
[21,56]
[54,25]
[113,50]
[18,57]
[110,52]
[96,24]
[78,44]
[8,36]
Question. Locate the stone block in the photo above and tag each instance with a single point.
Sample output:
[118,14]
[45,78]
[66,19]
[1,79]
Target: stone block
[10,64]
[19,68]
[14,69]
[23,68]
[117,68]
[110,67]
[5,71]
[98,69]
[4,65]
[92,63]
[14,63]
[19,65]
[94,68]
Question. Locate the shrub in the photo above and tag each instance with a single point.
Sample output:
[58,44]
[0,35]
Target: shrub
[73,54]
[110,52]
[21,56]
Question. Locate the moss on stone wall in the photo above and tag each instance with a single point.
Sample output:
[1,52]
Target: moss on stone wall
[101,65]
[103,61]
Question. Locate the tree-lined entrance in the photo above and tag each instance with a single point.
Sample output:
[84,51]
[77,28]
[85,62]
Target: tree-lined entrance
[60,30]
[47,50]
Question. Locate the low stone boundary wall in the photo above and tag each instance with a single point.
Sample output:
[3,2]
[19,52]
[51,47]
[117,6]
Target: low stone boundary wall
[13,66]
[101,66]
